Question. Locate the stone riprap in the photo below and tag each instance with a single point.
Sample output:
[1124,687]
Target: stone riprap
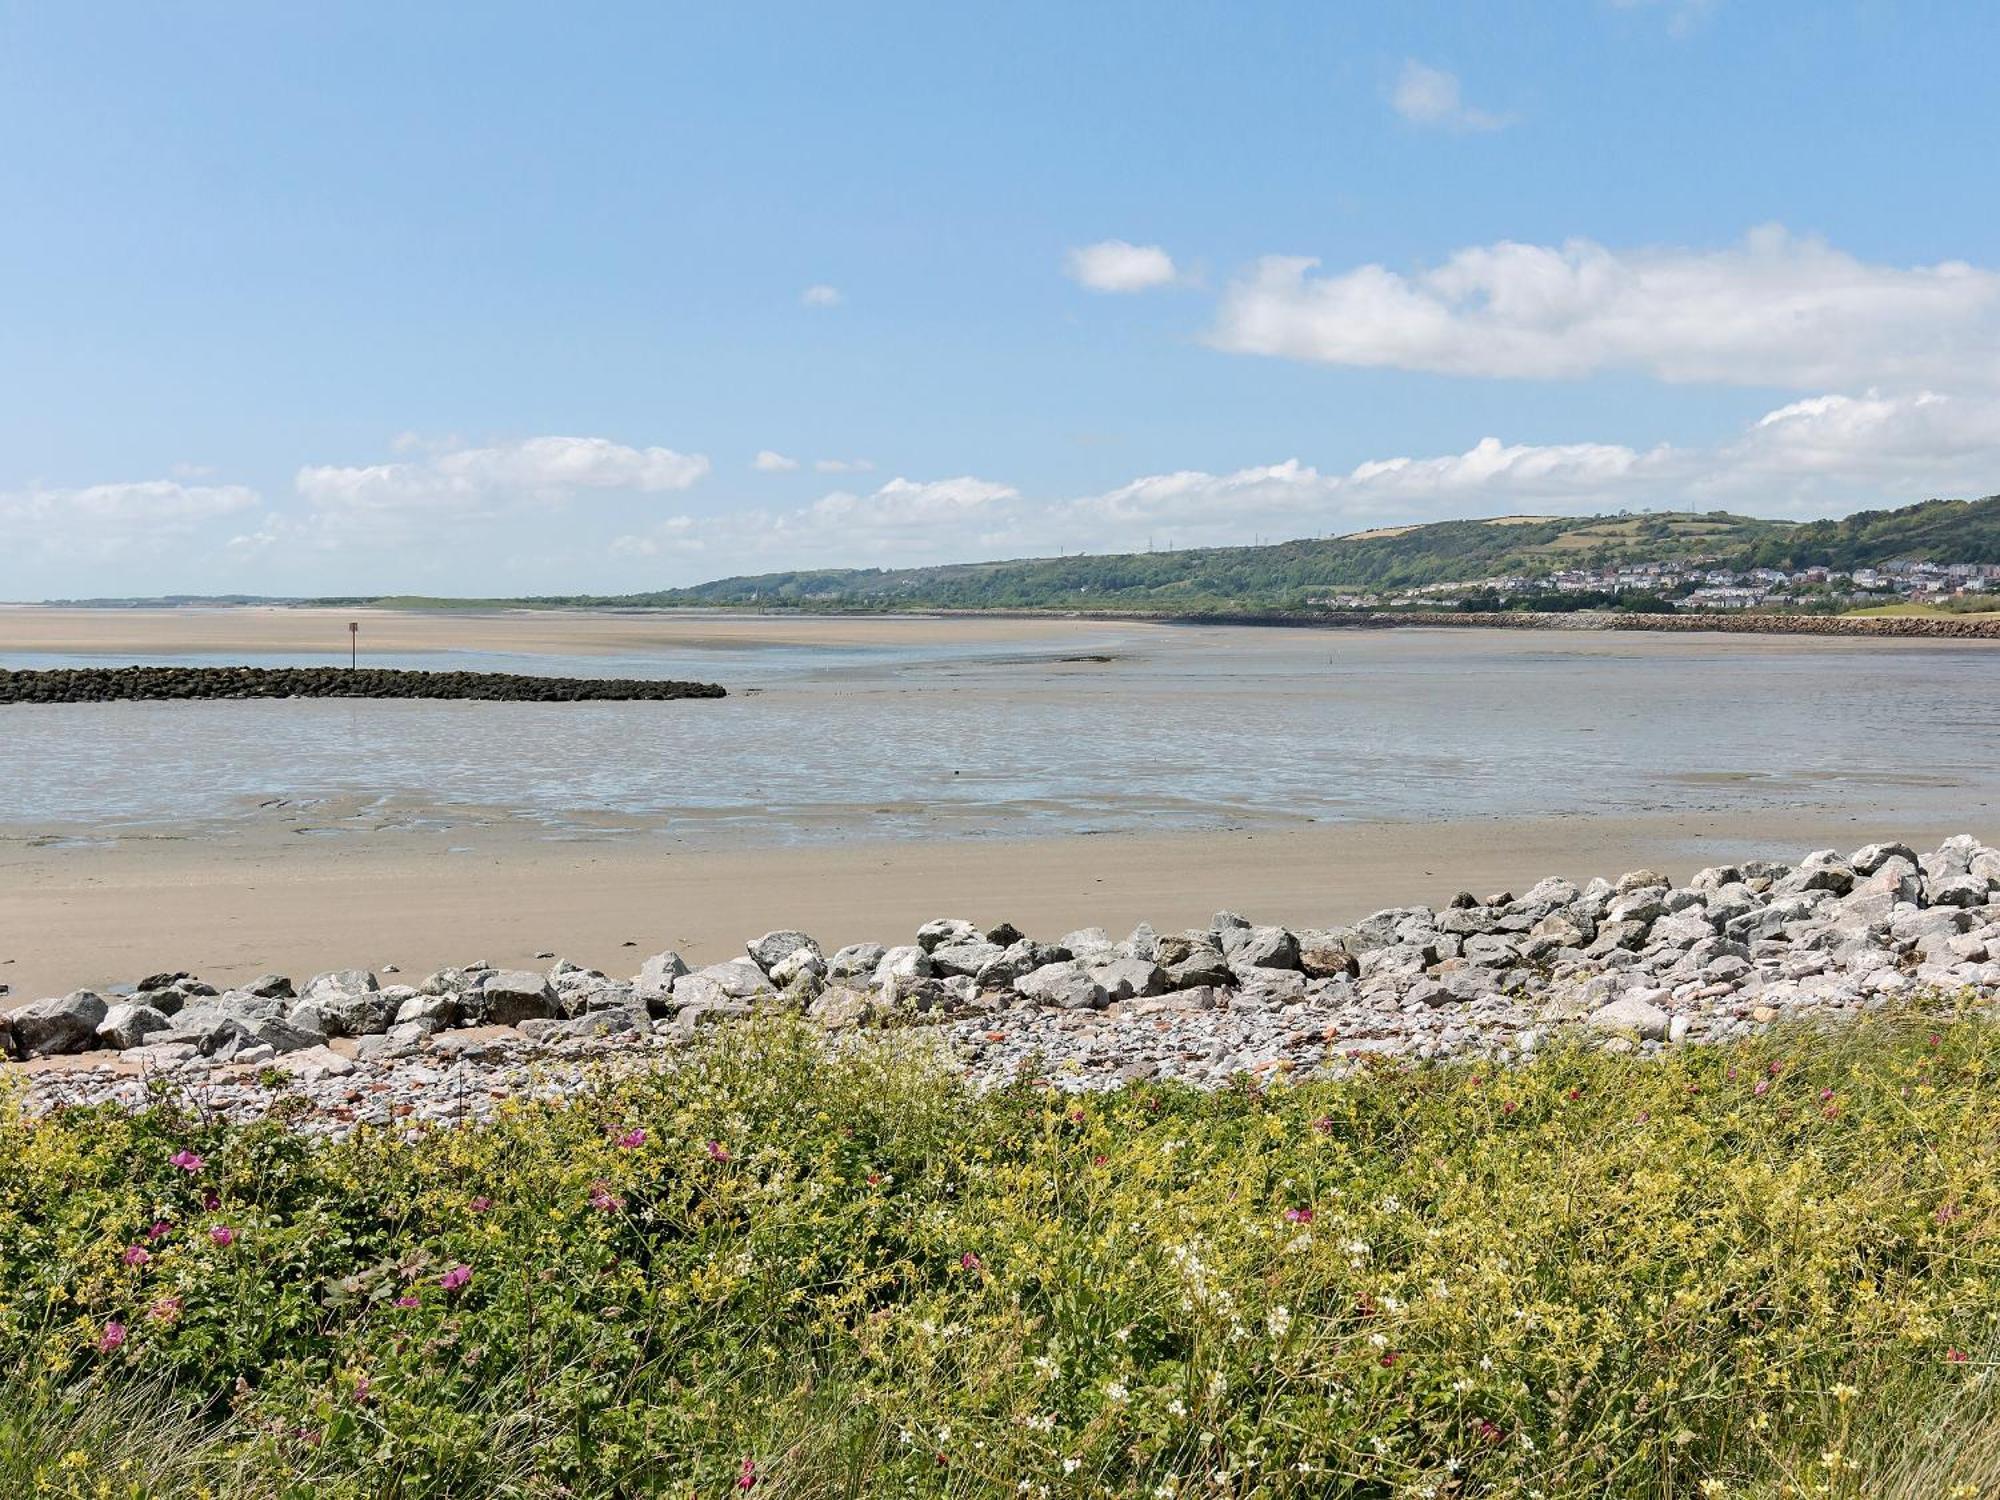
[1633,964]
[113,684]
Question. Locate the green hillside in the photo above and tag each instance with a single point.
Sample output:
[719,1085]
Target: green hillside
[1935,531]
[1271,576]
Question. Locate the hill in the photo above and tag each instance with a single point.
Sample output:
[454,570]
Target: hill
[1934,531]
[1288,574]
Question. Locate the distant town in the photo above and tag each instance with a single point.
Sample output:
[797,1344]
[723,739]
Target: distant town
[1699,584]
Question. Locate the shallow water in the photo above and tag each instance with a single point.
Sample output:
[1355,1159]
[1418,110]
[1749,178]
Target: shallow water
[1179,728]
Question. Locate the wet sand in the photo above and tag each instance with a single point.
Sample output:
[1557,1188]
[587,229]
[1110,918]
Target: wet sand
[261,899]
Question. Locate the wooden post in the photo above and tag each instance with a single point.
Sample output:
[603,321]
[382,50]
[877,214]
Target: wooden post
[353,644]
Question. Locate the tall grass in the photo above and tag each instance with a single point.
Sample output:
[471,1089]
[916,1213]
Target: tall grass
[1765,1270]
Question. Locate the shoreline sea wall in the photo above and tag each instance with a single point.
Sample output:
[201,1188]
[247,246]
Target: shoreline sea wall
[155,684]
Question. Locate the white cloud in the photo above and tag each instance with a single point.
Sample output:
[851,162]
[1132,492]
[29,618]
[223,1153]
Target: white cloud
[819,294]
[1779,310]
[1118,266]
[767,462]
[1430,96]
[140,508]
[905,502]
[1683,16]
[843,466]
[140,522]
[541,470]
[929,520]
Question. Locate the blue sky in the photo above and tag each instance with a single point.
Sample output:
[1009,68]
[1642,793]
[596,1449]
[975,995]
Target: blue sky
[316,299]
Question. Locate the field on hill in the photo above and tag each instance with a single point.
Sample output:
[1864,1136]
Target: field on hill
[1756,1271]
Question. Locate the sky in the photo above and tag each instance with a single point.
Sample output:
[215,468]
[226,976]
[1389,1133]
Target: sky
[532,299]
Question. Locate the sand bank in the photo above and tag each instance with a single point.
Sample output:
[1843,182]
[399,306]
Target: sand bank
[236,631]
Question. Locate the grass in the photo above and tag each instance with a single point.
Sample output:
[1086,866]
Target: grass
[1770,1270]
[1952,609]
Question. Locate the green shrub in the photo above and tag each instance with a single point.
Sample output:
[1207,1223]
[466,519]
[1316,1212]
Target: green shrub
[1760,1270]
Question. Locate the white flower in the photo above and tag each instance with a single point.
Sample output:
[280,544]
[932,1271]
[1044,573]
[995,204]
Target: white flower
[1116,1391]
[1069,1465]
[1380,1341]
[1278,1319]
[1177,1407]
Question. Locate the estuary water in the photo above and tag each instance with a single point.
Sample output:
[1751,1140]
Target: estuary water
[1109,728]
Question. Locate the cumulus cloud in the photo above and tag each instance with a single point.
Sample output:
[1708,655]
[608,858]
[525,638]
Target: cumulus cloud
[1778,310]
[767,462]
[1430,96]
[541,470]
[142,508]
[843,466]
[932,520]
[1117,266]
[138,521]
[819,294]
[905,502]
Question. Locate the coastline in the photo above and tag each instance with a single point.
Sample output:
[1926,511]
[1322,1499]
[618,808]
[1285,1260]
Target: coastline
[514,626]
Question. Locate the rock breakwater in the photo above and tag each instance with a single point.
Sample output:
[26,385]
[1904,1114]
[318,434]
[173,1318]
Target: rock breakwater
[113,684]
[1637,963]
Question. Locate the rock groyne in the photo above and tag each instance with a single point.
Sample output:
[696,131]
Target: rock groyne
[115,684]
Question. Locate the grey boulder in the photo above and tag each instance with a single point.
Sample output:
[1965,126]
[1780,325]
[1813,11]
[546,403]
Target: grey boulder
[511,996]
[1630,1014]
[774,947]
[68,1024]
[1066,986]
